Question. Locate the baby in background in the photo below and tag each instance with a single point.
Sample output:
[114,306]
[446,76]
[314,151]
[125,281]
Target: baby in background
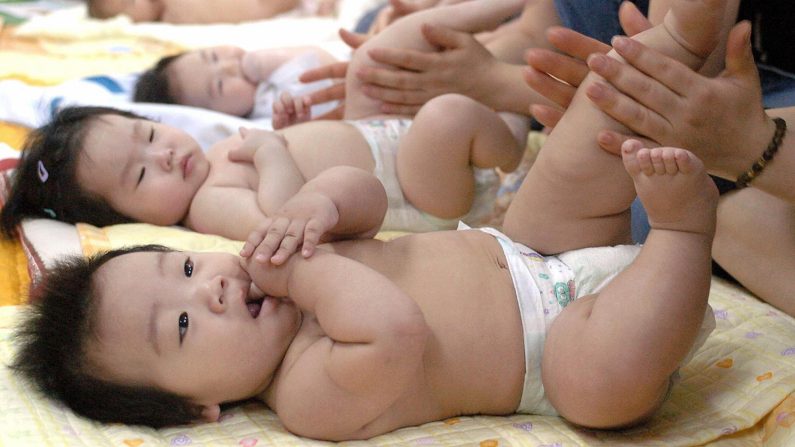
[364,337]
[230,80]
[203,11]
[105,166]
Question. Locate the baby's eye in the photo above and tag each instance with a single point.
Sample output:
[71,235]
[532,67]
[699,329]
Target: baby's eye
[214,56]
[188,267]
[152,134]
[220,87]
[141,176]
[183,323]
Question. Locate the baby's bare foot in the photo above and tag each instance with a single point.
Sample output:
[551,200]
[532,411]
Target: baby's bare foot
[673,186]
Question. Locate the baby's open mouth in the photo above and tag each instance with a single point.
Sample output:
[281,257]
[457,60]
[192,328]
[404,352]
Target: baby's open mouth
[254,306]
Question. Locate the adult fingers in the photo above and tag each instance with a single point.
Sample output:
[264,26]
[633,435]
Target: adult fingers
[739,55]
[565,68]
[332,93]
[353,40]
[631,82]
[402,97]
[546,115]
[573,43]
[400,109]
[446,38]
[627,111]
[632,20]
[556,91]
[330,71]
[669,72]
[403,80]
[401,58]
[611,141]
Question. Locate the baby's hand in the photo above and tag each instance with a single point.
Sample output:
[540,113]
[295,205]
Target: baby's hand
[288,110]
[253,140]
[303,220]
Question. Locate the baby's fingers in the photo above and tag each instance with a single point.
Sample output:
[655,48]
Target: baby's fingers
[289,243]
[254,239]
[273,239]
[312,233]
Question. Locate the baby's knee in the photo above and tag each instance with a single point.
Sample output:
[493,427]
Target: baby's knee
[612,403]
[450,111]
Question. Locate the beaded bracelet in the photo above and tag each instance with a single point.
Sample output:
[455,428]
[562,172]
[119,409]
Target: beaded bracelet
[772,148]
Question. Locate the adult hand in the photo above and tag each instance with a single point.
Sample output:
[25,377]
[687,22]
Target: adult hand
[557,75]
[335,72]
[719,119]
[413,77]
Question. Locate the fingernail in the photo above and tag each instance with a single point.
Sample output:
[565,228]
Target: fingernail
[597,62]
[596,91]
[261,258]
[605,138]
[621,43]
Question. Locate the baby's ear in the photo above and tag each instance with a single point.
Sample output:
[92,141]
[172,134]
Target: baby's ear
[210,413]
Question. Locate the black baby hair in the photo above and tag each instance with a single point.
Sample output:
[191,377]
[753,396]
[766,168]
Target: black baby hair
[52,343]
[45,181]
[153,86]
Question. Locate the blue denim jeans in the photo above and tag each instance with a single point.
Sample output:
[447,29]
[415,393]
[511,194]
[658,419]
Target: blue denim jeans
[594,18]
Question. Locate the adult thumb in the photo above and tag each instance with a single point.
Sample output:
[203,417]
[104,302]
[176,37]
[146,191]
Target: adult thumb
[739,55]
[443,37]
[353,40]
[402,8]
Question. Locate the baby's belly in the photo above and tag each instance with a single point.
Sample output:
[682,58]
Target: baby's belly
[474,363]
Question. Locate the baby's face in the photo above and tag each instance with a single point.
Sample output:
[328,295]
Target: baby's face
[143,169]
[137,10]
[212,78]
[188,323]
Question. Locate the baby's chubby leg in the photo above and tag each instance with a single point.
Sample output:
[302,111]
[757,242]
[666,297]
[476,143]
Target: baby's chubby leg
[450,135]
[576,194]
[470,16]
[608,357]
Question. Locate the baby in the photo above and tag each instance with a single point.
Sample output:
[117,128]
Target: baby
[365,336]
[230,80]
[190,11]
[103,166]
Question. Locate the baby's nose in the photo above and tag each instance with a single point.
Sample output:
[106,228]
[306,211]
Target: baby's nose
[217,289]
[165,158]
[230,67]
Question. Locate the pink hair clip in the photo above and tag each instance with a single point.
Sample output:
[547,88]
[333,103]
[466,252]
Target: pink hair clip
[43,174]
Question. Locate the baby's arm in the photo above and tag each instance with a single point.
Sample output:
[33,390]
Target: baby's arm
[375,335]
[279,177]
[258,65]
[340,203]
